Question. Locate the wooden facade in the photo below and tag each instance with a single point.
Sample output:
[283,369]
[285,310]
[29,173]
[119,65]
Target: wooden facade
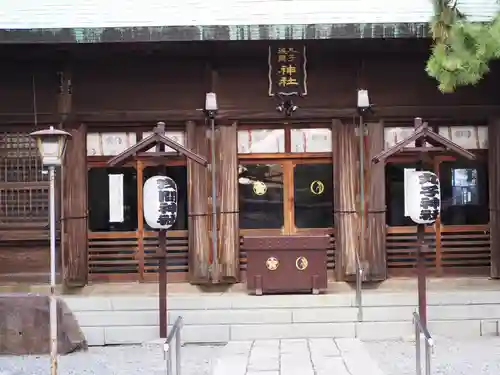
[110,97]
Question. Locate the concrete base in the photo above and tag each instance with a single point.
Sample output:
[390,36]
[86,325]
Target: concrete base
[110,319]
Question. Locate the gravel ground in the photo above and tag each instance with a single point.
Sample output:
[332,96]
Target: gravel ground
[451,357]
[118,360]
[464,357]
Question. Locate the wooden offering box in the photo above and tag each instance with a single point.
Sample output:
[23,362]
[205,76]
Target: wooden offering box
[286,263]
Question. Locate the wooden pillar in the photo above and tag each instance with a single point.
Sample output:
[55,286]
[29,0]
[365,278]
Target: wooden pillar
[346,191]
[75,255]
[227,177]
[198,192]
[494,191]
[74,226]
[375,251]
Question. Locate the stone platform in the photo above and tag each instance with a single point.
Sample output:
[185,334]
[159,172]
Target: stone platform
[111,314]
[295,357]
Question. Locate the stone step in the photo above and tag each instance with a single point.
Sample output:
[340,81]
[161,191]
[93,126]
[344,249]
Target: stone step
[115,335]
[243,301]
[215,319]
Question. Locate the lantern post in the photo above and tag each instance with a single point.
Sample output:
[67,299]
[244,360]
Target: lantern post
[159,201]
[51,144]
[421,245]
[430,203]
[162,262]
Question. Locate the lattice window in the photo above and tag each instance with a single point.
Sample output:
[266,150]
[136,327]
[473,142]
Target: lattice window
[24,186]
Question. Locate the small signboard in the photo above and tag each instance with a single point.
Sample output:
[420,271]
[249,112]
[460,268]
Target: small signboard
[423,196]
[407,173]
[287,70]
[160,202]
[116,207]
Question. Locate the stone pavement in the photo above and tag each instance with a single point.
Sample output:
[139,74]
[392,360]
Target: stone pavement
[295,357]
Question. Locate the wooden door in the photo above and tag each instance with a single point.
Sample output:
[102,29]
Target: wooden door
[288,190]
[286,197]
[310,192]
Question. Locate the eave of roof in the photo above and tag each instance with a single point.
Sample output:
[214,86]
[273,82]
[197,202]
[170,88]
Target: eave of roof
[216,33]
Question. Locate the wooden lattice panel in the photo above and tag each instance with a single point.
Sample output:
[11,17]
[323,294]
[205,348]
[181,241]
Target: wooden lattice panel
[24,206]
[113,256]
[17,145]
[177,255]
[466,249]
[125,256]
[24,185]
[401,244]
[454,250]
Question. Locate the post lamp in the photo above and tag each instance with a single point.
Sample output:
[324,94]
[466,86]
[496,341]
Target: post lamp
[364,106]
[210,111]
[51,144]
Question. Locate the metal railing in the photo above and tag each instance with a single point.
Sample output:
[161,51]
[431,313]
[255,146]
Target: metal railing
[359,285]
[175,333]
[429,345]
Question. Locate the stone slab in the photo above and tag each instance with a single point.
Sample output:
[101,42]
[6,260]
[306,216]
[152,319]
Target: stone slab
[291,331]
[357,358]
[295,357]
[240,316]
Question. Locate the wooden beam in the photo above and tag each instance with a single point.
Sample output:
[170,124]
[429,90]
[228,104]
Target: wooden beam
[461,113]
[29,185]
[199,213]
[455,113]
[346,211]
[227,170]
[64,102]
[424,149]
[74,218]
[375,246]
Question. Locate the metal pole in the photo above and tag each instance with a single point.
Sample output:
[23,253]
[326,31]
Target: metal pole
[178,351]
[362,183]
[362,235]
[417,345]
[53,300]
[359,301]
[169,362]
[214,205]
[162,282]
[427,358]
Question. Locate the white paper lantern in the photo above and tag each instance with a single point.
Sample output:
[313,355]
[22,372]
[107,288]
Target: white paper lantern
[423,197]
[160,202]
